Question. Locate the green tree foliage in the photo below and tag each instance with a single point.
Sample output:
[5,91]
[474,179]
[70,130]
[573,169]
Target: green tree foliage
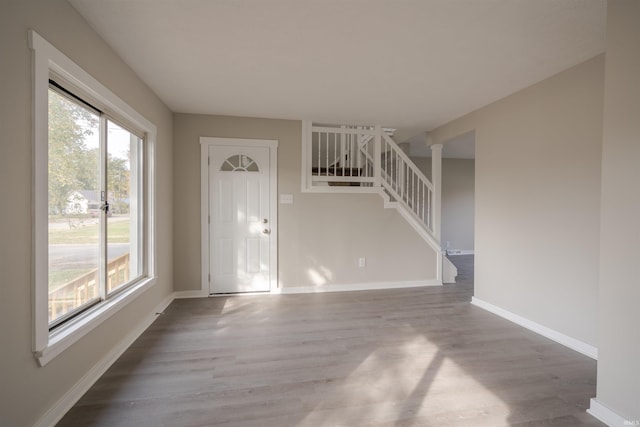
[118,178]
[72,165]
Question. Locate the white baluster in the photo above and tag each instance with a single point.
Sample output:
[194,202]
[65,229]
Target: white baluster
[326,172]
[377,158]
[320,152]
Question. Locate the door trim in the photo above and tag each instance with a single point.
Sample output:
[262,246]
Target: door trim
[205,143]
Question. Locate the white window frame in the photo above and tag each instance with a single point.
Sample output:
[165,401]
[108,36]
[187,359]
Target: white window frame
[47,59]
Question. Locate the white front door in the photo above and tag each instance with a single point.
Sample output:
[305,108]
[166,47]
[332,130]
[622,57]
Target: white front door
[240,230]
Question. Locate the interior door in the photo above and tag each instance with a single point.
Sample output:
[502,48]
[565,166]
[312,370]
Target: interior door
[240,228]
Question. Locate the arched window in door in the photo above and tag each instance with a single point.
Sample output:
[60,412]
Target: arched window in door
[239,163]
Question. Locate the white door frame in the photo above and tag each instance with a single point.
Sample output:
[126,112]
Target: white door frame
[205,143]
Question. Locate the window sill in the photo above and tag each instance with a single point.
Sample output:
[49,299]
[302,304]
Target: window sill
[69,333]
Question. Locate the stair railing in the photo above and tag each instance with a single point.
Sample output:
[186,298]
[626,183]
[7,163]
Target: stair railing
[402,181]
[337,155]
[405,183]
[359,159]
[366,157]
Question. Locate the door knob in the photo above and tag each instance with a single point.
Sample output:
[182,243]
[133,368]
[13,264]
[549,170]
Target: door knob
[264,221]
[266,231]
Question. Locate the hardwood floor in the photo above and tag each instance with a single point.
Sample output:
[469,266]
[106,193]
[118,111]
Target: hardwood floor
[408,357]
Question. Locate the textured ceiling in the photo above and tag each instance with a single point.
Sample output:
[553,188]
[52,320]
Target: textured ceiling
[407,64]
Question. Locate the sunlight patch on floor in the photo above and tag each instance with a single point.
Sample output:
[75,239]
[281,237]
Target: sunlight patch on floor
[406,380]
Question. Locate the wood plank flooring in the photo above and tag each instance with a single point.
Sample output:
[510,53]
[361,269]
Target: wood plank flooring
[408,357]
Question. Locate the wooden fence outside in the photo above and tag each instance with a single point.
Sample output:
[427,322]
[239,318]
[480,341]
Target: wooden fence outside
[85,288]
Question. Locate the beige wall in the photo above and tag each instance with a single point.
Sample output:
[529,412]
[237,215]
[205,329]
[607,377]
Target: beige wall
[458,201]
[619,294]
[458,204]
[321,236]
[26,390]
[537,195]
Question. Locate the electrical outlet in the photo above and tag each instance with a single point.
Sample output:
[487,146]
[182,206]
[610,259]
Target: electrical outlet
[362,262]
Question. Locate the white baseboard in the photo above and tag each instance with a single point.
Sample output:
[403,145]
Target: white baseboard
[71,397]
[567,341]
[450,252]
[191,294]
[319,289]
[356,287]
[607,416]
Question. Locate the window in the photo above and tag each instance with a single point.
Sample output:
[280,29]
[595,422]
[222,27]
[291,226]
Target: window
[240,163]
[93,204]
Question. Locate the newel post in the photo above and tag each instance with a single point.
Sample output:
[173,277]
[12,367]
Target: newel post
[436,179]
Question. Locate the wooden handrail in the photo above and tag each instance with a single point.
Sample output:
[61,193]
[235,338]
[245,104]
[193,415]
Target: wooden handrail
[407,160]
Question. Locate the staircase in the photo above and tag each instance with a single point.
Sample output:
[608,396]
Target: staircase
[366,159]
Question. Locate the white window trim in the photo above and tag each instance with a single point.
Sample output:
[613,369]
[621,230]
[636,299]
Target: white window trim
[46,59]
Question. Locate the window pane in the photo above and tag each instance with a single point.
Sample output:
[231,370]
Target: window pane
[241,163]
[73,198]
[124,258]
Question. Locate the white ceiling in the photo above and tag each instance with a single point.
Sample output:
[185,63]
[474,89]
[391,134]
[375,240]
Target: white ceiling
[407,64]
